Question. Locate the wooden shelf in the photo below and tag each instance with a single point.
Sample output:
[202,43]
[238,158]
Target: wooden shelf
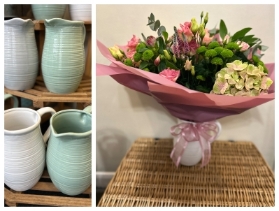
[44,193]
[39,25]
[40,95]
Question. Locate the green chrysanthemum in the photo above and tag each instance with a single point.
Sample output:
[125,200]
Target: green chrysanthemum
[147,55]
[226,53]
[217,61]
[213,44]
[210,53]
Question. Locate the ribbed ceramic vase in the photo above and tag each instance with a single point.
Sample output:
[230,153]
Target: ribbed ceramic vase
[80,12]
[48,11]
[21,62]
[63,59]
[24,147]
[68,154]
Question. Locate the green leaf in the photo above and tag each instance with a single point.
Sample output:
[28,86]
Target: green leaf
[165,35]
[161,45]
[171,65]
[142,50]
[149,23]
[263,48]
[152,17]
[239,34]
[143,65]
[156,25]
[144,38]
[162,66]
[161,30]
[223,29]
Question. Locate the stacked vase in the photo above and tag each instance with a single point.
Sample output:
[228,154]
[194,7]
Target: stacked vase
[48,11]
[21,62]
[80,12]
[63,58]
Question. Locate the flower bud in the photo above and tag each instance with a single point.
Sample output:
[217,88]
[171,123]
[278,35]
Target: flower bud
[205,19]
[174,58]
[193,70]
[167,55]
[116,52]
[194,25]
[157,61]
[201,14]
[150,40]
[188,65]
[202,31]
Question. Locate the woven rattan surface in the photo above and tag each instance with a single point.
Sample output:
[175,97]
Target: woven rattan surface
[237,175]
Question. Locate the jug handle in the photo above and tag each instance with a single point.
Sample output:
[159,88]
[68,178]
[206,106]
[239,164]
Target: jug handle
[15,100]
[41,112]
[84,33]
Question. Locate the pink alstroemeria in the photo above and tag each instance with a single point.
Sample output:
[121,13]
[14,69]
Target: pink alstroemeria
[186,30]
[207,39]
[150,40]
[170,74]
[131,46]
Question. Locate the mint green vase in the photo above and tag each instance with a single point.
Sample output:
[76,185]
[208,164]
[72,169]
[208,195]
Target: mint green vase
[63,58]
[68,156]
[48,11]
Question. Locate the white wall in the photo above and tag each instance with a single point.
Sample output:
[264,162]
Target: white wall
[123,115]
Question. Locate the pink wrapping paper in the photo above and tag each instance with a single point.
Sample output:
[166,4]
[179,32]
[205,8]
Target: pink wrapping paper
[180,101]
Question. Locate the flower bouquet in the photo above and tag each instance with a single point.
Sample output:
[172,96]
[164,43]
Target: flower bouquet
[198,75]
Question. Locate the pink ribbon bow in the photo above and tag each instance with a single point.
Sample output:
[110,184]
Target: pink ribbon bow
[205,133]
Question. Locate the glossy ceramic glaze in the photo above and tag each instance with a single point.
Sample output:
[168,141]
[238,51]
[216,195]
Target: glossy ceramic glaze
[69,151]
[24,147]
[63,59]
[193,153]
[21,60]
[48,11]
[80,12]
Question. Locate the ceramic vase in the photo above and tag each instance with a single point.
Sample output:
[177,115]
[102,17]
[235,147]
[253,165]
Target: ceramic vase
[68,156]
[48,11]
[80,12]
[63,58]
[24,147]
[192,155]
[21,62]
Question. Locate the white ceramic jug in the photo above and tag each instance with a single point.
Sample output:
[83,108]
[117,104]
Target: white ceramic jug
[21,61]
[24,147]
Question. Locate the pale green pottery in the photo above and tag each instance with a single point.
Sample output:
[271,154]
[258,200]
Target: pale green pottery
[63,58]
[48,11]
[68,156]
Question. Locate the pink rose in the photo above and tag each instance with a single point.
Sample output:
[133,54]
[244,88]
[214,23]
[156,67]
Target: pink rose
[207,39]
[170,74]
[243,46]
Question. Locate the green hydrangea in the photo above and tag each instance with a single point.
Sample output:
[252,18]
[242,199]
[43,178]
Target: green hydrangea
[147,55]
[226,53]
[213,44]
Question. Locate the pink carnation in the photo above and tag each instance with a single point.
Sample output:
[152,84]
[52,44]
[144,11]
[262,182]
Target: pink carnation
[170,74]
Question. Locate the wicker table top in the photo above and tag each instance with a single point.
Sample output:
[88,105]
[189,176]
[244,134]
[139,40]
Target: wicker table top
[237,175]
